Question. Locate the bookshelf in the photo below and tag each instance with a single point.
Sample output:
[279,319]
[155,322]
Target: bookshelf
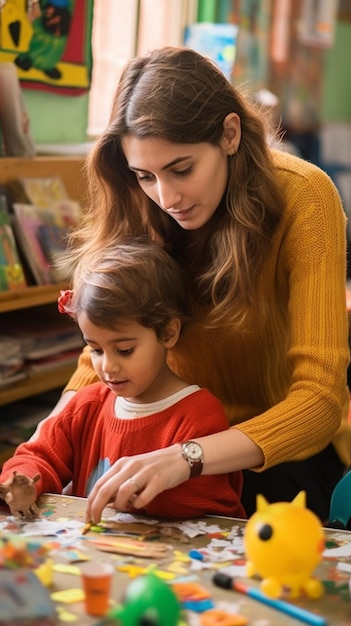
[71,170]
[29,297]
[36,384]
[24,300]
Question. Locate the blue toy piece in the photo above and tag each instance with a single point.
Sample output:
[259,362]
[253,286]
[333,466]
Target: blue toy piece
[340,504]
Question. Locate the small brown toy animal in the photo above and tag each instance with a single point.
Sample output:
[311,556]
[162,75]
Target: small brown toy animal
[19,493]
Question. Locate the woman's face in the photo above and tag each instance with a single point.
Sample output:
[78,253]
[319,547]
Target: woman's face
[187,181]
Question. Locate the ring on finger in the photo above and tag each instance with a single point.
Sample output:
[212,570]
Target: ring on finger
[134,482]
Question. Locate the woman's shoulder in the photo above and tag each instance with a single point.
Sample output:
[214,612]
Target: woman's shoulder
[302,179]
[293,166]
[286,161]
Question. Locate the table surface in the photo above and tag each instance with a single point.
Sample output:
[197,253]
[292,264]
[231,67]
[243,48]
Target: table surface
[58,512]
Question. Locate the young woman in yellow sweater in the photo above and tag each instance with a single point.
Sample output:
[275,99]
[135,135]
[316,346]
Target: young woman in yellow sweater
[262,236]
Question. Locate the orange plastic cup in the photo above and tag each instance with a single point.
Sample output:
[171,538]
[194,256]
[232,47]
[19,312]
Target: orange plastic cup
[97,579]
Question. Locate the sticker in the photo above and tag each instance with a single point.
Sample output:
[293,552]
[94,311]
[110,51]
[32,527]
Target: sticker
[69,596]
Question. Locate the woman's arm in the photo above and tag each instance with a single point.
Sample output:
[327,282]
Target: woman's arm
[156,471]
[84,374]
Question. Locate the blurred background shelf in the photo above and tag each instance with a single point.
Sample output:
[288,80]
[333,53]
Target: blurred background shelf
[38,303]
[19,419]
[37,383]
[29,297]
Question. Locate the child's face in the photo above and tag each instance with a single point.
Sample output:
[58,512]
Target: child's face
[130,359]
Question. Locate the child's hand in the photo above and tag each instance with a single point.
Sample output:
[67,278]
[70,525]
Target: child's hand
[19,493]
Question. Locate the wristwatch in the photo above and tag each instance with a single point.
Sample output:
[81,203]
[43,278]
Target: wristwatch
[193,454]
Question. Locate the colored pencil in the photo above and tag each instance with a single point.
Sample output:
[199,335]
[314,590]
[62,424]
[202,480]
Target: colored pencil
[227,582]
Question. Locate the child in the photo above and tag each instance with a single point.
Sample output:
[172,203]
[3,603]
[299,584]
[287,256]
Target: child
[130,303]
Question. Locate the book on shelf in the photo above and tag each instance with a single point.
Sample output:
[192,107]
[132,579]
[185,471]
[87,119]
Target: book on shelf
[26,222]
[43,336]
[12,361]
[49,347]
[49,196]
[45,364]
[42,236]
[11,270]
[37,344]
[42,215]
[67,213]
[11,380]
[53,241]
[43,191]
[57,221]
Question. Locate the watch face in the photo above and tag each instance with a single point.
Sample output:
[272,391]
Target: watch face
[194,451]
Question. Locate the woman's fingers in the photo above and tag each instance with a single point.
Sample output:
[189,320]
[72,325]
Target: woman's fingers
[122,494]
[137,480]
[106,489]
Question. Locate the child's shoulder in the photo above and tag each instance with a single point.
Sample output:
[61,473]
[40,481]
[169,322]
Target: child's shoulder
[96,392]
[208,400]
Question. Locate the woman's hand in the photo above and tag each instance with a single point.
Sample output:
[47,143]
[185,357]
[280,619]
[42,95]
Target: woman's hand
[137,480]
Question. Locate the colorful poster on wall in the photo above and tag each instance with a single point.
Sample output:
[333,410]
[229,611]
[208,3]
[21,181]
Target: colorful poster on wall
[49,41]
[251,66]
[216,41]
[317,22]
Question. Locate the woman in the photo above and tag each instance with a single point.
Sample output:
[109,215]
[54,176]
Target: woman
[261,234]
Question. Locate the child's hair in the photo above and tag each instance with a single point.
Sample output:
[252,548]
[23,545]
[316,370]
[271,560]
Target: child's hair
[136,280]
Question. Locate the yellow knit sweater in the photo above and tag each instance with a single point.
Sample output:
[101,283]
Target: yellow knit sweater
[282,379]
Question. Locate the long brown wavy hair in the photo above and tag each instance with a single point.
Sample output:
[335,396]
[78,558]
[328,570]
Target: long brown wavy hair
[180,96]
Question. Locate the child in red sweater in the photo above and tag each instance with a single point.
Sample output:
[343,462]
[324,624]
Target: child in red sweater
[130,302]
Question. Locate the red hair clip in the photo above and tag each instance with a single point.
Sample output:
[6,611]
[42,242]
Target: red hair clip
[64,300]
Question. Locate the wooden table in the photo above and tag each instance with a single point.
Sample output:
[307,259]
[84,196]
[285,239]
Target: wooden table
[335,606]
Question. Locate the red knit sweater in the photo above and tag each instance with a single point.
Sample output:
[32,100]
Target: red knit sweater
[82,442]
